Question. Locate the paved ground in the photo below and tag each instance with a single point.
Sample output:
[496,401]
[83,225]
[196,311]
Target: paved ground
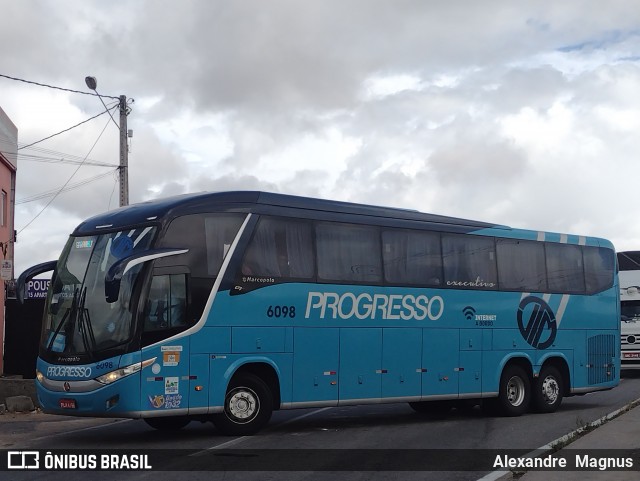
[600,443]
[622,432]
[17,429]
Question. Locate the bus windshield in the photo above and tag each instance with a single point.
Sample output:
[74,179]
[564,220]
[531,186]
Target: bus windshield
[78,319]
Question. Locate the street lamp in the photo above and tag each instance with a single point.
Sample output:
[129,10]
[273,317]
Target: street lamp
[92,83]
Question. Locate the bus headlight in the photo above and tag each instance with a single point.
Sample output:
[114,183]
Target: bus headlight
[113,376]
[39,377]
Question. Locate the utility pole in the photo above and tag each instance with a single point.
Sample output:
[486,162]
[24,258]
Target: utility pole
[123,168]
[124,153]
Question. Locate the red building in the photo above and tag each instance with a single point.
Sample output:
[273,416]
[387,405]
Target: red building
[8,167]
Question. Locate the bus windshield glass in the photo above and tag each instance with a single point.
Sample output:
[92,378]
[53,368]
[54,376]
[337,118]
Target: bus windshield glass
[630,311]
[78,319]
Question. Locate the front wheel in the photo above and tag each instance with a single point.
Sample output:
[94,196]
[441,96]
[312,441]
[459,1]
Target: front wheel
[547,390]
[248,405]
[515,391]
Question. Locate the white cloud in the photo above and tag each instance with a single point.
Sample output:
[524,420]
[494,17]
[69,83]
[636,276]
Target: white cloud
[510,112]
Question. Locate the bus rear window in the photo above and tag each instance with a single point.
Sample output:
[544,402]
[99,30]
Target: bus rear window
[599,268]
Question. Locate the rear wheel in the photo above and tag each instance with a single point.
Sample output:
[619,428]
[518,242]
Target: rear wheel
[515,391]
[248,405]
[547,390]
[172,423]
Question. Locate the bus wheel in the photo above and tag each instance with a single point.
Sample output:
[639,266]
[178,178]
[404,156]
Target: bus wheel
[547,390]
[515,391]
[172,423]
[247,406]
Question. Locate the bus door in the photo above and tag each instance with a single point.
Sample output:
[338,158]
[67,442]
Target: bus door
[165,386]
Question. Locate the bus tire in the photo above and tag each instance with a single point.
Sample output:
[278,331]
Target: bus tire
[514,395]
[172,423]
[547,390]
[248,405]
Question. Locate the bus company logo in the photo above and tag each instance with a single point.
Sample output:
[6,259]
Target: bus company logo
[68,371]
[348,305]
[537,322]
[469,313]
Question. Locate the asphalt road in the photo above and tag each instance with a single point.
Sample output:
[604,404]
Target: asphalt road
[356,440]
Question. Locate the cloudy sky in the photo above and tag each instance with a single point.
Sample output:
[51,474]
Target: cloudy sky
[522,113]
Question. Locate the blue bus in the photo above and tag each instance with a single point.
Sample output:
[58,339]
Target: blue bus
[226,306]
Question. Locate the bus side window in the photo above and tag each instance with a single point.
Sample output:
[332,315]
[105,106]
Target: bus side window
[565,268]
[521,265]
[412,257]
[469,262]
[348,253]
[166,306]
[280,248]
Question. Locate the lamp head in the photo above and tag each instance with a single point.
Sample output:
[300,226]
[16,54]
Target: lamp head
[91,82]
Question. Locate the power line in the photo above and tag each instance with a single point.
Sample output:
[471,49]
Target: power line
[68,187]
[53,160]
[57,88]
[65,184]
[52,154]
[66,130]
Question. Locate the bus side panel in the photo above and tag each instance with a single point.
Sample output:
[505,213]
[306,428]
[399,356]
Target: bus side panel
[166,386]
[470,369]
[440,358]
[315,365]
[198,379]
[401,362]
[360,364]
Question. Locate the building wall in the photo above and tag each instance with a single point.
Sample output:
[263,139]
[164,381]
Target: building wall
[8,168]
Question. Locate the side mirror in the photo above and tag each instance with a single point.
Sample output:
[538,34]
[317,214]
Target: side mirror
[114,275]
[29,274]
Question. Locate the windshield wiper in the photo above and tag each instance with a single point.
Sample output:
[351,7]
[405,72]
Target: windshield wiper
[78,315]
[84,325]
[68,315]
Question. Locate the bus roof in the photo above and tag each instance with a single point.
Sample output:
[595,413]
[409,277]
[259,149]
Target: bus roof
[254,201]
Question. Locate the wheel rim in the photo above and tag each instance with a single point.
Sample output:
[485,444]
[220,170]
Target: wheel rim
[550,389]
[515,391]
[243,405]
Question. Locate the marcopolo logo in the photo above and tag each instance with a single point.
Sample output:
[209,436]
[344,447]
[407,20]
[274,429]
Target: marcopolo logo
[537,322]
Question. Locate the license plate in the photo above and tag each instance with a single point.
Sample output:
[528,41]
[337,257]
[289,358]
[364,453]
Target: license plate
[631,355]
[67,403]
